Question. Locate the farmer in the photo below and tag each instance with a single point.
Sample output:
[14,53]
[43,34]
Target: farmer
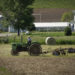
[29,41]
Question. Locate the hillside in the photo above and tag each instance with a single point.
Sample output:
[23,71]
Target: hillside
[54,4]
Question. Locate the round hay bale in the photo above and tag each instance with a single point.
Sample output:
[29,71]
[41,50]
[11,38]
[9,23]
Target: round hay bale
[50,41]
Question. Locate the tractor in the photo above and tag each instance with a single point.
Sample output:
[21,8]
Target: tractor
[33,49]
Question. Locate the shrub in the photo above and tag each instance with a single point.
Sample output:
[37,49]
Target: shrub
[68,31]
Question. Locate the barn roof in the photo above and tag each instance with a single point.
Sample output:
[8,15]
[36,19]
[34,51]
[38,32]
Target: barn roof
[49,14]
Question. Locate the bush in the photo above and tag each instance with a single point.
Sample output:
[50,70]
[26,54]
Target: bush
[68,31]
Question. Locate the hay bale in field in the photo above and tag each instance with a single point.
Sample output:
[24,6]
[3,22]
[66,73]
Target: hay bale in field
[50,41]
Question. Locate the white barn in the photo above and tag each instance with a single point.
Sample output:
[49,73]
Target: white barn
[48,26]
[52,26]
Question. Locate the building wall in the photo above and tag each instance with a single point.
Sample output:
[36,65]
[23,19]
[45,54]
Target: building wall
[11,29]
[51,26]
[47,26]
[74,21]
[49,14]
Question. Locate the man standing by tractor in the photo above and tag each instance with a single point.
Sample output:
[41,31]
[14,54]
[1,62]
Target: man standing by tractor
[29,41]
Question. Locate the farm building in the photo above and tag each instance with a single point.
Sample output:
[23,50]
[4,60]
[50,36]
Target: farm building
[49,19]
[48,26]
[53,26]
[1,26]
[0,20]
[49,14]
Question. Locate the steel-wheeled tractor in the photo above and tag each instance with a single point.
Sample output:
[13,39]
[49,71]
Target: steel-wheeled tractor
[33,49]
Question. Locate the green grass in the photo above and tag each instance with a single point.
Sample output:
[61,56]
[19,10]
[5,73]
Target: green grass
[41,36]
[46,34]
[54,4]
[4,71]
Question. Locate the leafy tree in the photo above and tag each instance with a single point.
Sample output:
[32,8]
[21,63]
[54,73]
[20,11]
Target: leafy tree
[18,13]
[4,22]
[68,16]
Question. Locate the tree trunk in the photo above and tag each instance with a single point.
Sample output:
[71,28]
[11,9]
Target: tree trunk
[18,32]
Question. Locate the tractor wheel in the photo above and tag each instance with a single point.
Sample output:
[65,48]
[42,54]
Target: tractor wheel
[35,49]
[13,52]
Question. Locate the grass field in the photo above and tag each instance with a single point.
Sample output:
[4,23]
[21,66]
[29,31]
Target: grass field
[44,64]
[54,4]
[5,50]
[36,65]
[41,36]
[39,66]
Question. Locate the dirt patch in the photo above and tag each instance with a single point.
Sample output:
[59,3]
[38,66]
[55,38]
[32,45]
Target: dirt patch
[40,65]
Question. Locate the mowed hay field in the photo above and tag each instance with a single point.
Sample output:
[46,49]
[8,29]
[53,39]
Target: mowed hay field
[45,64]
